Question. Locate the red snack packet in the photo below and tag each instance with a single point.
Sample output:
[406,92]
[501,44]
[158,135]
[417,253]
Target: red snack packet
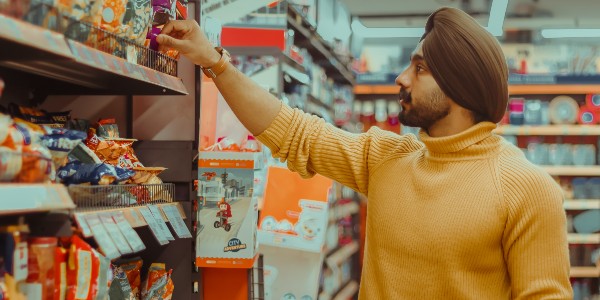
[82,271]
[60,273]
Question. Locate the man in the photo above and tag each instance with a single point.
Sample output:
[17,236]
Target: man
[458,214]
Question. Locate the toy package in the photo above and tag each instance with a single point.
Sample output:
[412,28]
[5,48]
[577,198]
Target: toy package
[228,210]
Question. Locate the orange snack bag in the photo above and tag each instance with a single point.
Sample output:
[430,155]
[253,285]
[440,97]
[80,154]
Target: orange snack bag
[60,273]
[132,269]
[159,285]
[82,272]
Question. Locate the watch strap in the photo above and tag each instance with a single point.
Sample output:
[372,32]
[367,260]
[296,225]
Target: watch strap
[220,66]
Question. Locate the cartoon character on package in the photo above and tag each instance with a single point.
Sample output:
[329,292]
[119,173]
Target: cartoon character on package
[223,214]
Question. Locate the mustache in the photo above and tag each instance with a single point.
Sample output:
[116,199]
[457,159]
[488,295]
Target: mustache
[404,95]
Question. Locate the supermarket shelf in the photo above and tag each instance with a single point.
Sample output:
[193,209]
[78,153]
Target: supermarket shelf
[386,89]
[342,254]
[348,291]
[585,272]
[319,51]
[68,67]
[581,204]
[286,59]
[549,89]
[559,130]
[342,211]
[295,74]
[33,198]
[133,215]
[513,89]
[572,170]
[577,238]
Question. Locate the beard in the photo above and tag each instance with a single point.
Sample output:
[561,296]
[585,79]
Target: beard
[432,107]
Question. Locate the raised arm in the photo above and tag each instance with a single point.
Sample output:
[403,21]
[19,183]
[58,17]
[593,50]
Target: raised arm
[307,143]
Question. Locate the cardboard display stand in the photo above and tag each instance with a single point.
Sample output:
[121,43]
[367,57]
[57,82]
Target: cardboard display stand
[293,224]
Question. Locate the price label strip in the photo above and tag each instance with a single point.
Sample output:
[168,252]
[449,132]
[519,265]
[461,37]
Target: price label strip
[117,237]
[161,222]
[130,234]
[13,28]
[176,221]
[102,237]
[83,225]
[154,227]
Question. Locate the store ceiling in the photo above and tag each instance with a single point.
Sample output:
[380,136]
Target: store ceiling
[521,14]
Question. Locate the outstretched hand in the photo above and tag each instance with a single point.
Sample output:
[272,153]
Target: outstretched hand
[186,37]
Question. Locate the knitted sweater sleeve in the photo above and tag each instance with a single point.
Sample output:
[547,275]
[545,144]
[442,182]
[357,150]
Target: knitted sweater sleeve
[535,237]
[310,145]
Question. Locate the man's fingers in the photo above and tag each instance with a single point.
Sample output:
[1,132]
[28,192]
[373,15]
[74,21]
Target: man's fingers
[166,41]
[176,25]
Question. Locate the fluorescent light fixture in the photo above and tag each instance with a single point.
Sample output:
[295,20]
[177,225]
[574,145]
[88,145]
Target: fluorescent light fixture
[495,23]
[570,33]
[497,14]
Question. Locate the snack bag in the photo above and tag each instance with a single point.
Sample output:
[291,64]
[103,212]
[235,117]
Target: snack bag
[119,287]
[76,172]
[82,272]
[60,273]
[41,265]
[158,285]
[108,129]
[138,19]
[132,269]
[61,142]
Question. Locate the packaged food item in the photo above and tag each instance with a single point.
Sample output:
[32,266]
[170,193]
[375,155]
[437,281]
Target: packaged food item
[14,8]
[83,154]
[158,285]
[103,276]
[82,271]
[60,273]
[76,172]
[108,128]
[10,164]
[36,167]
[61,142]
[140,12]
[13,238]
[147,175]
[41,265]
[141,194]
[132,269]
[119,287]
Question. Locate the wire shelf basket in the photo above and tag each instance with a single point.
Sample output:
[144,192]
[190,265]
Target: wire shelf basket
[50,17]
[118,196]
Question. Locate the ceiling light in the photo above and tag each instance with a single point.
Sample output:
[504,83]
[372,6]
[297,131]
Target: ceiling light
[570,33]
[495,25]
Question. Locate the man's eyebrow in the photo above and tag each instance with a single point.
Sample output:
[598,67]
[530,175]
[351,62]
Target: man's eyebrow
[417,57]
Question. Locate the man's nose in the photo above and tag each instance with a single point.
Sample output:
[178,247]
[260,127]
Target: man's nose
[403,80]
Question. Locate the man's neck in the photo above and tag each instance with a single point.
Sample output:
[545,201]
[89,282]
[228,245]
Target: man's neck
[449,126]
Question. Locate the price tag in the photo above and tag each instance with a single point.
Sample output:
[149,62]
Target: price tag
[100,58]
[13,28]
[117,237]
[132,237]
[116,65]
[51,41]
[161,222]
[154,227]
[83,225]
[74,49]
[176,221]
[128,66]
[102,237]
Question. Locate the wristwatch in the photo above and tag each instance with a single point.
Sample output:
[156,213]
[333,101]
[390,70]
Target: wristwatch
[220,66]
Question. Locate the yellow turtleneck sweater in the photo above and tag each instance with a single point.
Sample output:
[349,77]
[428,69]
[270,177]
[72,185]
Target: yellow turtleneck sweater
[458,217]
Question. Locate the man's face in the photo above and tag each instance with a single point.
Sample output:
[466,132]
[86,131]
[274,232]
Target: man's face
[423,102]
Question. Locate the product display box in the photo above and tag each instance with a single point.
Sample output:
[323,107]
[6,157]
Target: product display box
[228,211]
[295,212]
